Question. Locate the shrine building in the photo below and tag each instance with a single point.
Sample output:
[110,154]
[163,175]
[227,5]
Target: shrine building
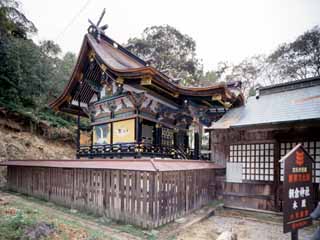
[140,158]
[251,139]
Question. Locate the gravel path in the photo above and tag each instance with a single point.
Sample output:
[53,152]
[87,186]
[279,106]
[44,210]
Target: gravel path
[248,226]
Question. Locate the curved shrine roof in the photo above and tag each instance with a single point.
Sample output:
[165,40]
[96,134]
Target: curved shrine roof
[127,65]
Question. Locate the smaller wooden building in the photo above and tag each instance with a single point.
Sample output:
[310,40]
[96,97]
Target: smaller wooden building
[251,139]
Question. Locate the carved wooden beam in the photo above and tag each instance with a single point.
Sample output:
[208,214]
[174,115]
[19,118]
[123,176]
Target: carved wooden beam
[69,98]
[218,98]
[120,80]
[146,80]
[91,54]
[103,67]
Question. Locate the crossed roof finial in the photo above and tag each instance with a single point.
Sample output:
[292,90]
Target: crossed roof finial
[95,29]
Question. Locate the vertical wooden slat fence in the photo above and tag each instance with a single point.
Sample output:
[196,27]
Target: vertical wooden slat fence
[143,198]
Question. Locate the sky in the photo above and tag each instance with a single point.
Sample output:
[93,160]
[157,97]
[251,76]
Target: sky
[224,30]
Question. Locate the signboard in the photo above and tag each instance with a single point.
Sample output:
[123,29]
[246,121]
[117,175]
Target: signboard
[234,172]
[297,189]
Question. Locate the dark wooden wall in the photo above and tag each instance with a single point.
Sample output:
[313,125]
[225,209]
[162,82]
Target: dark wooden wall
[262,195]
[142,198]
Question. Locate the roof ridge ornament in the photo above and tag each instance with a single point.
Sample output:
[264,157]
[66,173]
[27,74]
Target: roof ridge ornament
[95,30]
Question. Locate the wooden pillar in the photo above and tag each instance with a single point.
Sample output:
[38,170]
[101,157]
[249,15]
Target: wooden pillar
[158,133]
[111,133]
[186,142]
[210,153]
[138,126]
[91,142]
[138,134]
[276,175]
[196,145]
[78,120]
[176,138]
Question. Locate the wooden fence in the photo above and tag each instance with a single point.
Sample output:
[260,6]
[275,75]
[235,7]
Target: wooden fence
[143,198]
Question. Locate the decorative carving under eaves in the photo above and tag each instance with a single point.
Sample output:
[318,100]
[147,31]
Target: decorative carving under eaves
[101,108]
[111,105]
[86,110]
[119,90]
[183,120]
[164,112]
[137,98]
[115,105]
[92,113]
[123,104]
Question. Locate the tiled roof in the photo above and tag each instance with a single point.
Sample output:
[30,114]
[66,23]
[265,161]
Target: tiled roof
[293,102]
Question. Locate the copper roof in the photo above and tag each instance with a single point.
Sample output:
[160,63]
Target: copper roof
[125,64]
[151,165]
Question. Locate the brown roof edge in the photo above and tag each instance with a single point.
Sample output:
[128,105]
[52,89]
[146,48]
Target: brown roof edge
[153,71]
[145,70]
[152,165]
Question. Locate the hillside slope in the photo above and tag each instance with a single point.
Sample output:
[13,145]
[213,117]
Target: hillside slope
[25,145]
[20,140]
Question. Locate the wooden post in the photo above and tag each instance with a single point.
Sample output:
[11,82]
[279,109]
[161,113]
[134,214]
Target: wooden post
[294,235]
[138,134]
[138,130]
[78,120]
[158,135]
[175,139]
[276,179]
[196,146]
[91,137]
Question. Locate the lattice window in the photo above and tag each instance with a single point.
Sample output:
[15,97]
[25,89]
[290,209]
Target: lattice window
[312,147]
[257,160]
[167,137]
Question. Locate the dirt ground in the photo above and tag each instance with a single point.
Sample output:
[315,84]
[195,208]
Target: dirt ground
[70,224]
[18,210]
[247,226]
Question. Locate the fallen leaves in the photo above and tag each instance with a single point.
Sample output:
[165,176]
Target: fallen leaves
[68,232]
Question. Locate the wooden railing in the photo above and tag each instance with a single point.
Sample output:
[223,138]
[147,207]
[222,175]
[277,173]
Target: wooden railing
[132,150]
[147,199]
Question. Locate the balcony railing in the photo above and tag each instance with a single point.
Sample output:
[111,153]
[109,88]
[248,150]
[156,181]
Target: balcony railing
[132,150]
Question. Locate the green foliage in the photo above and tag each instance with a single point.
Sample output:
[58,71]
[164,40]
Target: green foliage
[131,230]
[31,75]
[300,58]
[13,22]
[290,61]
[209,78]
[169,51]
[12,226]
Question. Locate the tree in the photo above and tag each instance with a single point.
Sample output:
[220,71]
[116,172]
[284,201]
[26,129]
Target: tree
[248,71]
[13,22]
[169,51]
[30,74]
[63,73]
[298,59]
[50,48]
[209,78]
[290,61]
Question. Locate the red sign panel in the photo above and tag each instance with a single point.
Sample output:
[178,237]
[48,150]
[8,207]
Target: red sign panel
[297,189]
